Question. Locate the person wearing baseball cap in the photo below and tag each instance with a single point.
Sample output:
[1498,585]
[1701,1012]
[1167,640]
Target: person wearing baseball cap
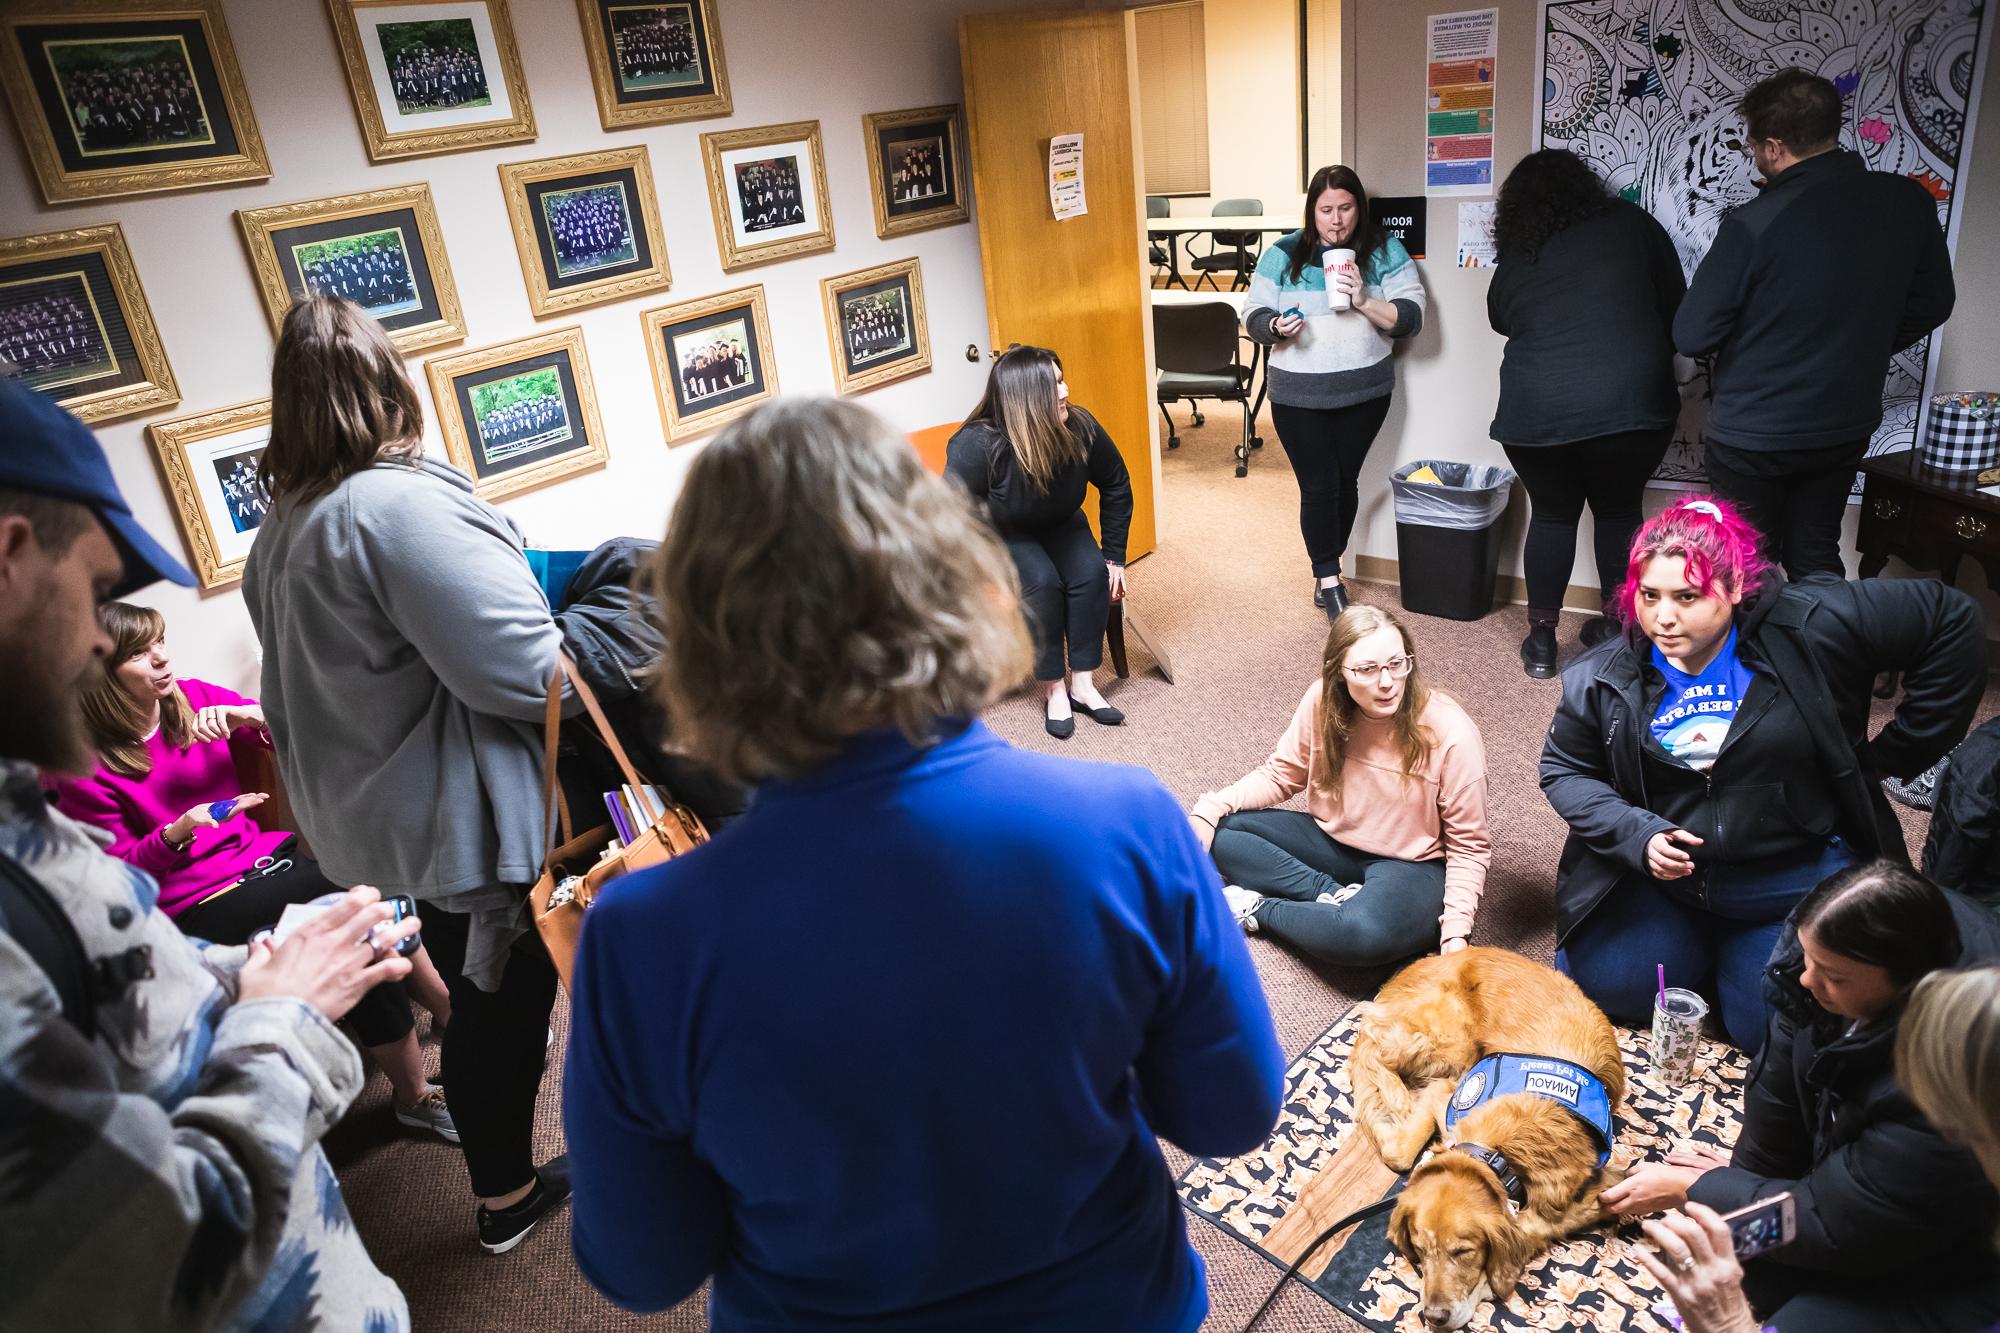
[167,1096]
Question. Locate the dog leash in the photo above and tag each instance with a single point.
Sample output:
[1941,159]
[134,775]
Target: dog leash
[1354,1218]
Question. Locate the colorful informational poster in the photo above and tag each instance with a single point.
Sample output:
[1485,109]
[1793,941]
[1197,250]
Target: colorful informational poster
[1476,247]
[1066,176]
[1458,102]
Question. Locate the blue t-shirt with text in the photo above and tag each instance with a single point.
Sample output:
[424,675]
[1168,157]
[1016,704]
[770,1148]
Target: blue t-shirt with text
[1696,711]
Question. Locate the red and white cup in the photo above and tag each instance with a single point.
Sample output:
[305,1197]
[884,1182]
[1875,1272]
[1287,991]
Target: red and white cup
[1336,298]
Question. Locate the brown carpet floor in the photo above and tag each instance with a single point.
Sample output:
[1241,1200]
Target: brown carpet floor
[1228,596]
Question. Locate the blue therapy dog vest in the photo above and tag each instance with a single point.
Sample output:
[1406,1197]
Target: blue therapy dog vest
[1557,1081]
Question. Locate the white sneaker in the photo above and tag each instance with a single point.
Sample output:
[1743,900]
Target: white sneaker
[1333,899]
[1243,905]
[432,1114]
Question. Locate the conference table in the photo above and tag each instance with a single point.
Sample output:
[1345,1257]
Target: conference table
[1172,229]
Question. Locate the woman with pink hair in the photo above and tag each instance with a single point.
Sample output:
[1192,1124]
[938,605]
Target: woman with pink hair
[1713,761]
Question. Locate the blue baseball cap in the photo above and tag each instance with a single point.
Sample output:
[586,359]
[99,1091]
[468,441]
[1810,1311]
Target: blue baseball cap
[46,451]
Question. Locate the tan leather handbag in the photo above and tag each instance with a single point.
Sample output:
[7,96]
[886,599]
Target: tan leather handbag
[579,864]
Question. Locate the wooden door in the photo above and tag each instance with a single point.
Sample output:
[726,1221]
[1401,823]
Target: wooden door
[1075,285]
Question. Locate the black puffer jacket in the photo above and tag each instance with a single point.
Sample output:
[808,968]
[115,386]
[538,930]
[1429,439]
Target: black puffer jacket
[1877,1188]
[1814,649]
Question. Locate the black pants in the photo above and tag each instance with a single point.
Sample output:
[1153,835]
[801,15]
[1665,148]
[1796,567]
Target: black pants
[1065,594]
[1796,497]
[1608,473]
[1327,446]
[379,1017]
[1793,1300]
[494,1052]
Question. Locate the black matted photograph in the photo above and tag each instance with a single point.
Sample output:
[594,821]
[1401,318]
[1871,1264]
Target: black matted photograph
[381,249]
[875,325]
[711,359]
[521,414]
[76,328]
[653,62]
[117,98]
[914,164]
[587,228]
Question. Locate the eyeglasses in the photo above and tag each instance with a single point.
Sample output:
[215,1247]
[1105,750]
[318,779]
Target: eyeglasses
[1397,667]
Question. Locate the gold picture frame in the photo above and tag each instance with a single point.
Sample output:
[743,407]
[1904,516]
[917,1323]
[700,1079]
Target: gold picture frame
[281,238]
[535,190]
[538,449]
[191,147]
[690,402]
[115,365]
[398,129]
[208,461]
[639,98]
[903,206]
[900,343]
[794,215]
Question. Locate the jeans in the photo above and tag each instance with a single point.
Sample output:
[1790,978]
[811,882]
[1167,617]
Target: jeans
[1609,473]
[1327,446]
[1796,497]
[494,1052]
[1065,594]
[1719,946]
[1284,855]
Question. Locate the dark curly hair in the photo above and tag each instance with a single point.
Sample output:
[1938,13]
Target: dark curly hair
[1544,193]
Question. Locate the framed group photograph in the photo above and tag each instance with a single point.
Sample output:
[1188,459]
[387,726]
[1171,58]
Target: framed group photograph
[433,76]
[209,463]
[381,249]
[119,97]
[875,324]
[653,62]
[521,414]
[75,326]
[587,227]
[914,162]
[767,187]
[711,359]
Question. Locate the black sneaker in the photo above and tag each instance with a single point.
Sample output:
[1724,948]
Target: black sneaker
[1538,652]
[501,1229]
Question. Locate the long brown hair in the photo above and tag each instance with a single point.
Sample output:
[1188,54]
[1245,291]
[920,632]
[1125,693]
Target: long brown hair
[1366,238]
[340,401]
[1020,401]
[117,721]
[1337,709]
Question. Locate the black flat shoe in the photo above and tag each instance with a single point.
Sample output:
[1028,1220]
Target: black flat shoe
[1062,728]
[1106,716]
[1538,652]
[1319,594]
[1334,600]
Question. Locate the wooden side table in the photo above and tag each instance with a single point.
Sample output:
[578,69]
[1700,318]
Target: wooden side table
[1926,518]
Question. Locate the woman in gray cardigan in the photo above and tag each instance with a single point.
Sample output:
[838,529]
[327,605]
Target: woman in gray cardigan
[407,651]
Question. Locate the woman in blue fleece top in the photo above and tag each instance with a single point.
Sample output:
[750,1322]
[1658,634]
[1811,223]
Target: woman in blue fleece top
[891,1051]
[1330,375]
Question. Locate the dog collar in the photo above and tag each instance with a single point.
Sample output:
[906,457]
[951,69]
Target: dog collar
[1559,1081]
[1511,1182]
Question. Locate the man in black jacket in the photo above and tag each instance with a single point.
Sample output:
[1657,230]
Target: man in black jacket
[1805,295]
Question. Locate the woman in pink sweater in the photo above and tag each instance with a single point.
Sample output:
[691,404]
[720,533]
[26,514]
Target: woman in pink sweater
[1390,855]
[166,791]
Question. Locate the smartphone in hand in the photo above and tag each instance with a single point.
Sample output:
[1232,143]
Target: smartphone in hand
[1764,1225]
[297,914]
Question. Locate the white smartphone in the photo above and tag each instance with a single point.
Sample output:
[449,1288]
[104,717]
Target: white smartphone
[1764,1225]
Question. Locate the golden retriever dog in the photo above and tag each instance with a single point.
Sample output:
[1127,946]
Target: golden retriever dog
[1432,1023]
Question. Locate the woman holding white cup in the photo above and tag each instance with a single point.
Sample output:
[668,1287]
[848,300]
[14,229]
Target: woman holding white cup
[1330,300]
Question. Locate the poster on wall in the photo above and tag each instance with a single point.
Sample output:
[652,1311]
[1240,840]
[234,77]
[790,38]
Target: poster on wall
[1476,246]
[1646,92]
[1461,52]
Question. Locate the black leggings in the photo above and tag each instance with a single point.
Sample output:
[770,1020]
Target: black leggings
[379,1017]
[494,1052]
[1609,473]
[1065,594]
[1327,446]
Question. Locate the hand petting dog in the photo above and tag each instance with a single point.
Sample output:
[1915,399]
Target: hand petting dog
[1652,1188]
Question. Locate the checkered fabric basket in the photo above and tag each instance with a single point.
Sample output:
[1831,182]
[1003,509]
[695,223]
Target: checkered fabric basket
[1964,432]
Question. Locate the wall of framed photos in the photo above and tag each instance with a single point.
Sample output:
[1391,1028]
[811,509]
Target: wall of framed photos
[213,281]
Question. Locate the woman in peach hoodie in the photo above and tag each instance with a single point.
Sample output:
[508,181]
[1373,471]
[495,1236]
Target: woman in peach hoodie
[1390,855]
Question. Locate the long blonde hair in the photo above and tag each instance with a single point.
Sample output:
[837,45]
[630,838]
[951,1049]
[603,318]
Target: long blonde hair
[117,721]
[1021,402]
[1948,1058]
[1337,709]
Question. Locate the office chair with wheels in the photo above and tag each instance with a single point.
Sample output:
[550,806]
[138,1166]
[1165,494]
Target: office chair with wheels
[1200,357]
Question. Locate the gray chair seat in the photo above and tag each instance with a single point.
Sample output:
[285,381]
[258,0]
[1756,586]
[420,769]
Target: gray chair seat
[1220,382]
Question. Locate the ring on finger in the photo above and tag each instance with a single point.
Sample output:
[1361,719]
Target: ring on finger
[373,946]
[1686,1265]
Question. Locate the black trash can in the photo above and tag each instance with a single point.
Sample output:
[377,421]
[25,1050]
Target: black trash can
[1448,537]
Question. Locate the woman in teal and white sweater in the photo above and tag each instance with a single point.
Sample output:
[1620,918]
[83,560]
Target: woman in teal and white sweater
[1330,374]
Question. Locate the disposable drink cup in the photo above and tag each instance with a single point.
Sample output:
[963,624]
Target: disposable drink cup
[1335,261]
[1677,1016]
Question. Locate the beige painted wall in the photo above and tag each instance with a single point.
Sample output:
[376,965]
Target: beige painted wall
[854,56]
[1253,106]
[1448,376]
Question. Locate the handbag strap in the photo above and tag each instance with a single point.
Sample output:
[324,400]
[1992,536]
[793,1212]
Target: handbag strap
[551,736]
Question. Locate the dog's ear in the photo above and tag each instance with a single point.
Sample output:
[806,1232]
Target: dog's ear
[1399,1234]
[1508,1251]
